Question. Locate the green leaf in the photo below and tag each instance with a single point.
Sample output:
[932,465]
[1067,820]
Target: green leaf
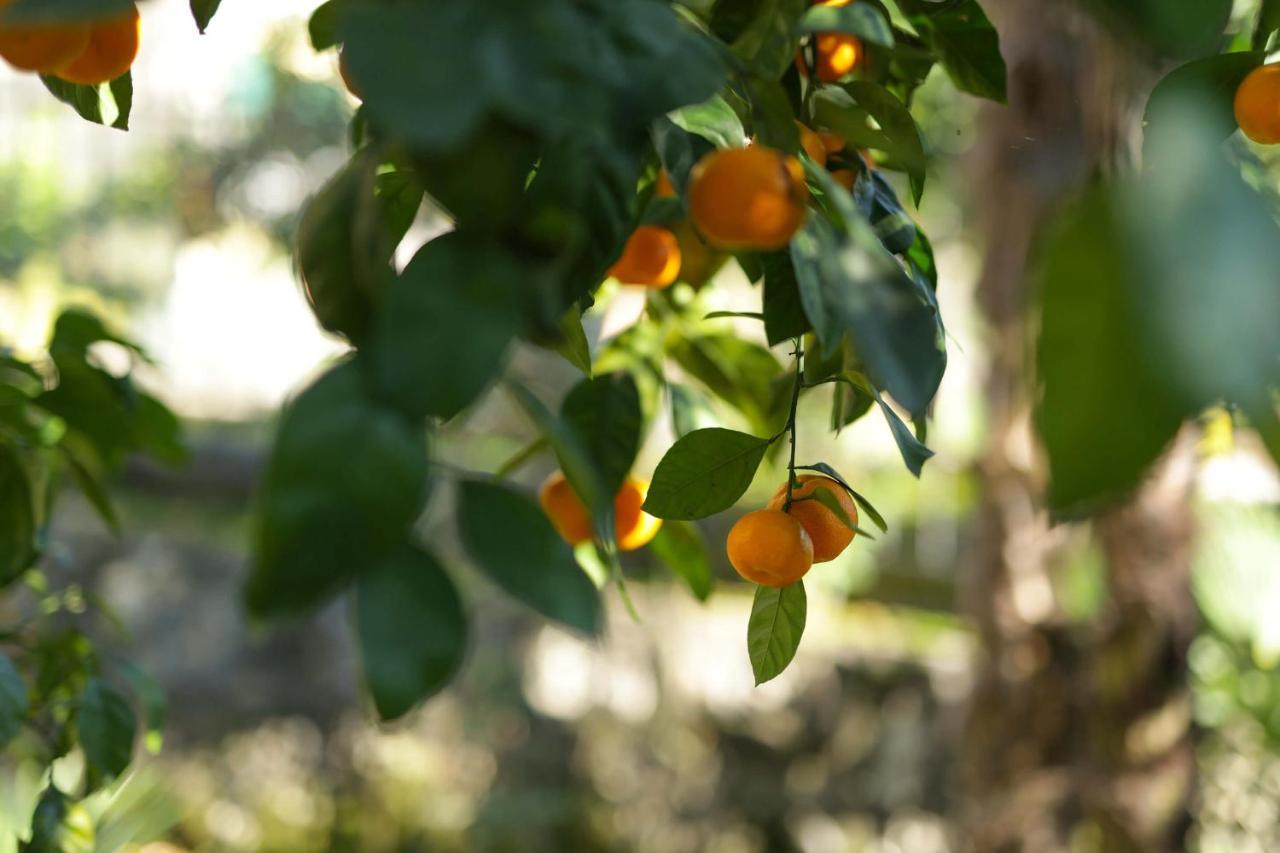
[345,481]
[690,409]
[713,120]
[203,11]
[1180,31]
[774,630]
[322,27]
[738,371]
[865,505]
[853,288]
[1104,414]
[743,315]
[511,540]
[150,695]
[784,316]
[412,630]
[573,344]
[914,454]
[448,321]
[965,41]
[1210,82]
[13,701]
[86,467]
[831,502]
[17,518]
[704,473]
[1268,23]
[47,831]
[857,19]
[906,145]
[772,121]
[605,414]
[55,11]
[680,547]
[106,729]
[89,101]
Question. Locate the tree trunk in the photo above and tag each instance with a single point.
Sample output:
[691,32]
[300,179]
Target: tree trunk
[1078,738]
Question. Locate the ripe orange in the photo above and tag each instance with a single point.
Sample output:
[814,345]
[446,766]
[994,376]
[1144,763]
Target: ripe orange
[836,55]
[633,526]
[1257,104]
[770,548]
[664,188]
[112,48]
[829,534]
[748,198]
[651,258]
[845,178]
[813,145]
[42,47]
[834,143]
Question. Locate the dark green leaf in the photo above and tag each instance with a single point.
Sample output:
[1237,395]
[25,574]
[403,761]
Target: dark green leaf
[13,701]
[106,729]
[680,547]
[448,321]
[737,371]
[150,695]
[345,481]
[966,42]
[412,630]
[857,19]
[713,120]
[704,473]
[511,540]
[1181,31]
[573,344]
[1104,415]
[86,467]
[52,11]
[1268,23]
[772,121]
[865,505]
[322,27]
[1210,83]
[605,414]
[17,518]
[47,831]
[784,316]
[774,630]
[831,502]
[203,11]
[743,315]
[914,454]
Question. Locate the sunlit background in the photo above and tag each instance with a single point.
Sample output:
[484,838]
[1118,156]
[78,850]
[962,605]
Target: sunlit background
[653,739]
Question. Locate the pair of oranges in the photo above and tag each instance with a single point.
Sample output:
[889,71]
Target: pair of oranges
[89,52]
[776,546]
[633,527]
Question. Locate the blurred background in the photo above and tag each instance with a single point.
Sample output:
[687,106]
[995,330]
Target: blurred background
[653,739]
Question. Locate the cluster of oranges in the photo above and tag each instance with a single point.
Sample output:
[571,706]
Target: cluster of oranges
[776,546]
[1257,105]
[89,52]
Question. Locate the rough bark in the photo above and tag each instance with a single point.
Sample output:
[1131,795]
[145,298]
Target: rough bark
[1077,738]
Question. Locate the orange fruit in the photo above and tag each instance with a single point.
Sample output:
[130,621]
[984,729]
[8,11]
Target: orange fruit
[769,547]
[651,258]
[834,143]
[845,178]
[698,260]
[813,145]
[112,48]
[41,47]
[1257,104]
[633,527]
[836,55]
[830,535]
[748,198]
[663,188]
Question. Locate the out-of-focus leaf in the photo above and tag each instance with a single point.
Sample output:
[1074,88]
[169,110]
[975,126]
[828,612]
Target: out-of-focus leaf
[17,518]
[573,344]
[13,701]
[412,630]
[322,27]
[346,480]
[857,19]
[605,414]
[737,371]
[966,42]
[784,315]
[106,729]
[713,120]
[704,473]
[914,453]
[527,558]
[680,547]
[150,695]
[203,11]
[1211,83]
[53,11]
[775,628]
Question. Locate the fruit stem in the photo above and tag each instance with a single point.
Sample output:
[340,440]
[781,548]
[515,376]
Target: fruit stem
[791,424]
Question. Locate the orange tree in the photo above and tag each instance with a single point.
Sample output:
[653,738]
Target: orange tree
[566,139]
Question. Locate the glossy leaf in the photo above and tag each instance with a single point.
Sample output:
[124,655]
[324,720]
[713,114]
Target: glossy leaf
[704,473]
[514,544]
[775,628]
[411,628]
